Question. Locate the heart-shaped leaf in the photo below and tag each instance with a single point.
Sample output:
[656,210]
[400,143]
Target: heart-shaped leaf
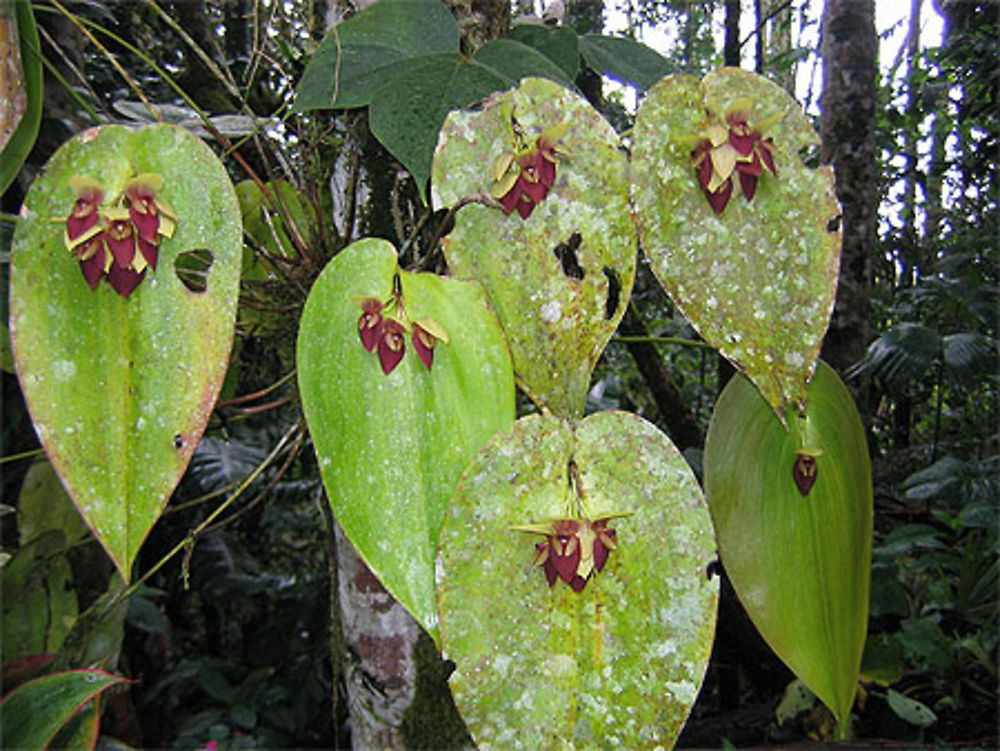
[617,664]
[624,59]
[758,280]
[34,712]
[120,389]
[559,279]
[792,508]
[392,447]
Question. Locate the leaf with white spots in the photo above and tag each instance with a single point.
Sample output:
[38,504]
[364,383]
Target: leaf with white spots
[120,390]
[392,447]
[759,280]
[559,280]
[618,664]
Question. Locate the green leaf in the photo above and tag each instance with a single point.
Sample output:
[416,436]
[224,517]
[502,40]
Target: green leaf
[559,280]
[18,146]
[759,280]
[910,710]
[624,60]
[120,390]
[558,43]
[618,664]
[39,604]
[799,563]
[43,505]
[392,447]
[265,224]
[34,712]
[350,63]
[409,109]
[515,61]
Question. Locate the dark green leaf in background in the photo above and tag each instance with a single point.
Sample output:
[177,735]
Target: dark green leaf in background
[624,60]
[350,64]
[558,43]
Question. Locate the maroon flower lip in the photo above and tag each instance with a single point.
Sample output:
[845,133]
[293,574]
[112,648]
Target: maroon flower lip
[732,146]
[119,242]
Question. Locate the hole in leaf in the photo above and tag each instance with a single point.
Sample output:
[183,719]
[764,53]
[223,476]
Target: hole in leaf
[192,267]
[614,293]
[810,155]
[566,253]
[178,442]
[833,225]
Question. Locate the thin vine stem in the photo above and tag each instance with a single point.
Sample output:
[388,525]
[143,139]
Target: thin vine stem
[23,455]
[191,538]
[663,340]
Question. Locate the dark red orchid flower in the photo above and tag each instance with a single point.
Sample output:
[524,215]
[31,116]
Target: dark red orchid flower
[573,549]
[732,146]
[522,178]
[804,472]
[119,242]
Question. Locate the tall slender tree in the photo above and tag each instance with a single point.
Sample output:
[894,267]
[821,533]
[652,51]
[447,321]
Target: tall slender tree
[849,48]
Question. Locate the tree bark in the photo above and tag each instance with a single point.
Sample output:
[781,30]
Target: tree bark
[731,48]
[849,48]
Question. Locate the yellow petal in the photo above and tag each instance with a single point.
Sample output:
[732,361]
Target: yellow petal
[72,244]
[587,537]
[81,185]
[502,164]
[433,328]
[724,160]
[166,226]
[146,180]
[554,133]
[717,134]
[502,187]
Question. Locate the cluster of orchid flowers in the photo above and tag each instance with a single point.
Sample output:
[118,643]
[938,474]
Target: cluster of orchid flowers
[383,327]
[523,174]
[121,241]
[574,547]
[731,145]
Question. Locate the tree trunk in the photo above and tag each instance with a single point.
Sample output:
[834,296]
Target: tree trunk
[849,48]
[731,48]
